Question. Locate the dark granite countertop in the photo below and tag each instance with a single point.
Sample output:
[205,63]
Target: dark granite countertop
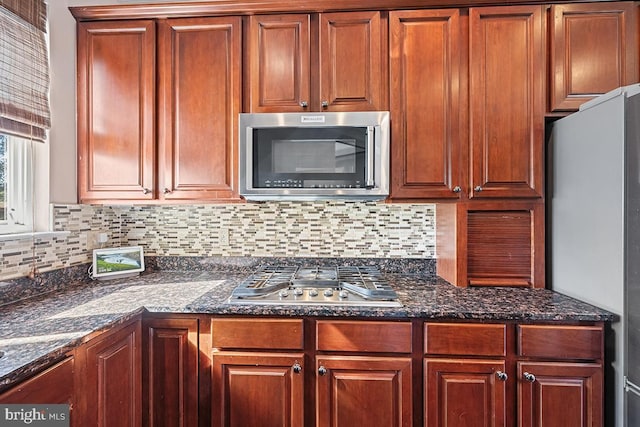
[39,330]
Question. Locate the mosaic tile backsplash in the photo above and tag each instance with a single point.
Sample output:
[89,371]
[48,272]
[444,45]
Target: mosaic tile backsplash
[274,229]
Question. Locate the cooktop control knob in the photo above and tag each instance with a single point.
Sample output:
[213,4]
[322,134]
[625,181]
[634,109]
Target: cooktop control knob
[283,293]
[313,292]
[328,292]
[298,291]
[343,294]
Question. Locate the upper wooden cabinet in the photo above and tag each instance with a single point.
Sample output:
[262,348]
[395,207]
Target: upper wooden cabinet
[116,110]
[172,141]
[426,126]
[316,62]
[594,49]
[507,87]
[199,75]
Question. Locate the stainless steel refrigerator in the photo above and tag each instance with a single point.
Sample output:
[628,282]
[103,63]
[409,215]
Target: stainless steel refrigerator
[594,230]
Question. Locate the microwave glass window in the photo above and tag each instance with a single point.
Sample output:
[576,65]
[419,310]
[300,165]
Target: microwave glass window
[314,156]
[324,157]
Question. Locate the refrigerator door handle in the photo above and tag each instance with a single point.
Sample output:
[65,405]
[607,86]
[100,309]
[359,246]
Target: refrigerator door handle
[631,387]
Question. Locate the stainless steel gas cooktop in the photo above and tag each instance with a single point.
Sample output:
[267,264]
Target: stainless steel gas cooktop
[323,285]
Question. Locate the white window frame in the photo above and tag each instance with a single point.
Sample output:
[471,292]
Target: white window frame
[19,175]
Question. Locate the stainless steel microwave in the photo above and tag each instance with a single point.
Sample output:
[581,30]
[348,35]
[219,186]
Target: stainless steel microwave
[314,156]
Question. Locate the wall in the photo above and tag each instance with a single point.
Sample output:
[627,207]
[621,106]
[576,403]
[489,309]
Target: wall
[286,229]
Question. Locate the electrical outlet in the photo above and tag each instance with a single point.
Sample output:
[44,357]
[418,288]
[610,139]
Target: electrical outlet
[92,240]
[223,236]
[96,239]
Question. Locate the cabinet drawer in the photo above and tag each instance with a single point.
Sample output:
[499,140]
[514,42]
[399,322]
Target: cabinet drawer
[560,342]
[383,337]
[286,334]
[465,339]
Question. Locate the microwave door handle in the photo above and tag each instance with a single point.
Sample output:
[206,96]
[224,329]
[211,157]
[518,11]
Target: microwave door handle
[369,172]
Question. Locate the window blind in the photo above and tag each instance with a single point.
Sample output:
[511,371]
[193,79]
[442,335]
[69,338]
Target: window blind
[24,69]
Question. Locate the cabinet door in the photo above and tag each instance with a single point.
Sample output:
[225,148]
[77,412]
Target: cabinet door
[425,46]
[507,75]
[257,389]
[116,105]
[54,385]
[199,76]
[464,393]
[594,49]
[170,376]
[109,386]
[352,48]
[278,54]
[556,394]
[363,391]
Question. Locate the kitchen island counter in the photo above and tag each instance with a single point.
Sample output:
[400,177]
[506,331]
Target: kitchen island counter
[38,331]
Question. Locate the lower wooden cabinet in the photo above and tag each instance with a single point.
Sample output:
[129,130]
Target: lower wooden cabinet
[170,372]
[257,372]
[109,372]
[464,392]
[532,375]
[173,370]
[54,385]
[560,394]
[257,389]
[363,391]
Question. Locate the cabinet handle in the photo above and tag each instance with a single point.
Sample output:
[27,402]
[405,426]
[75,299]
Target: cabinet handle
[325,104]
[322,370]
[457,189]
[146,191]
[529,377]
[477,188]
[502,376]
[297,368]
[303,104]
[166,190]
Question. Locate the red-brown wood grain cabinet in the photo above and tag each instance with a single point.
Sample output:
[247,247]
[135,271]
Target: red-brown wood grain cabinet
[199,87]
[170,375]
[257,373]
[593,49]
[507,101]
[560,375]
[54,385]
[158,103]
[108,378]
[512,374]
[316,62]
[427,127]
[465,374]
[116,64]
[370,381]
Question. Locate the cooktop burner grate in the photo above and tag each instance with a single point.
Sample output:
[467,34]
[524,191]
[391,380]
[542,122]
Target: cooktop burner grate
[348,285]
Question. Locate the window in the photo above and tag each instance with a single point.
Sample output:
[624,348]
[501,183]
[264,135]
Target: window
[16,185]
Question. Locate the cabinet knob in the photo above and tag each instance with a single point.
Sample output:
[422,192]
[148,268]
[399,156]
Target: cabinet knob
[303,104]
[146,191]
[297,368]
[502,376]
[477,188]
[322,370]
[529,377]
[325,104]
[457,189]
[166,190]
